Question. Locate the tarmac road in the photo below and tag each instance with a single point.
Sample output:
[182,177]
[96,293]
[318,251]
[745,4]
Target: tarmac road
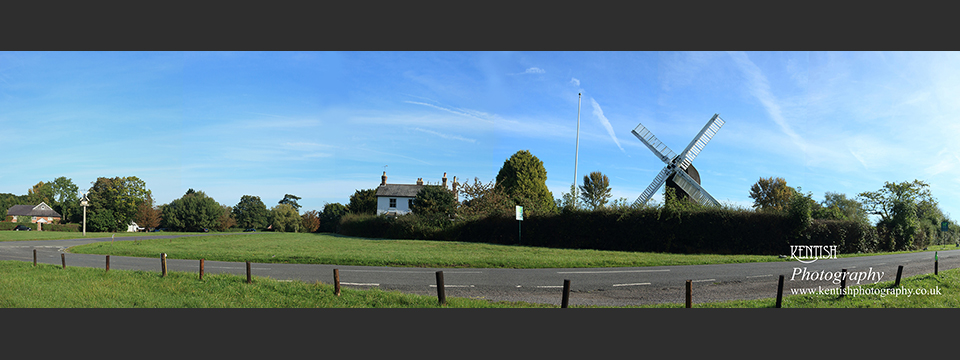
[596,286]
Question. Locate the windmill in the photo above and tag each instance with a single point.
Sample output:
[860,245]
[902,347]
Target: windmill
[679,172]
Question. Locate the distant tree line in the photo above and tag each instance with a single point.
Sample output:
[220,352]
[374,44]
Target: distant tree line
[115,203]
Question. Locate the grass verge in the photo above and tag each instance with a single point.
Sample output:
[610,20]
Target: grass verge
[49,286]
[295,248]
[941,291]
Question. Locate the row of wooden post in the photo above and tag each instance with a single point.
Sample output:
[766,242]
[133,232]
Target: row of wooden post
[441,296]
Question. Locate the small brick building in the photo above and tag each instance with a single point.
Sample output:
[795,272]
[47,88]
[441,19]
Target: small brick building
[42,213]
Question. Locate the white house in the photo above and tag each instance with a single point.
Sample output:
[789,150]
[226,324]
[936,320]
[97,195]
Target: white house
[397,199]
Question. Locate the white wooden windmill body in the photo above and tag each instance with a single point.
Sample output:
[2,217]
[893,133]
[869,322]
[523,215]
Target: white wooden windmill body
[676,165]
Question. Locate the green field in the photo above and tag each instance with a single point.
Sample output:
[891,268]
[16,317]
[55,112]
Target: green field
[301,248]
[63,235]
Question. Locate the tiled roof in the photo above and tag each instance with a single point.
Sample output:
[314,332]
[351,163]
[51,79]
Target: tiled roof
[32,210]
[399,190]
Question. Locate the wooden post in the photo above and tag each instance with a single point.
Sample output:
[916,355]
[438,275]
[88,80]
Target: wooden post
[108,263]
[440,295]
[201,269]
[249,280]
[336,281]
[63,259]
[566,294]
[843,282]
[163,263]
[780,292]
[34,257]
[899,272]
[936,264]
[689,294]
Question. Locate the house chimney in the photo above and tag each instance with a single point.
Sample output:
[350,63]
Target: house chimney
[444,180]
[455,194]
[419,181]
[383,179]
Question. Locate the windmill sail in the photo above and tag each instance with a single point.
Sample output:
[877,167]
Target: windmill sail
[659,148]
[693,189]
[701,140]
[654,186]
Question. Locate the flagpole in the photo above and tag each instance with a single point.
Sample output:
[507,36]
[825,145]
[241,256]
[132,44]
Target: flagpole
[576,158]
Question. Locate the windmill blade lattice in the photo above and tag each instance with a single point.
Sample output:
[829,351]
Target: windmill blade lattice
[675,171]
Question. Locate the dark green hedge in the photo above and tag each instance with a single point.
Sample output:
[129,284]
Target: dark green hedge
[46,227]
[713,231]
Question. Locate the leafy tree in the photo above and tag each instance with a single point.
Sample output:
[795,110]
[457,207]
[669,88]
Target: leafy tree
[771,194]
[523,180]
[800,211]
[41,192]
[284,218]
[8,200]
[330,217]
[434,201]
[250,212]
[883,201]
[482,200]
[902,208]
[363,202]
[194,211]
[310,220]
[836,206]
[292,201]
[226,220]
[103,221]
[567,200]
[66,199]
[120,195]
[147,216]
[595,190]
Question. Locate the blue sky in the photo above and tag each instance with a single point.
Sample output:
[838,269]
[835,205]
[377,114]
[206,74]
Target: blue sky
[321,125]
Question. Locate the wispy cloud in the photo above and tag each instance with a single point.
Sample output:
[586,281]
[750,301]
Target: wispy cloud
[759,87]
[468,113]
[575,82]
[606,123]
[446,136]
[533,70]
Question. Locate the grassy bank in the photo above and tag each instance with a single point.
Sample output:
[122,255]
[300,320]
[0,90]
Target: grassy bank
[341,250]
[48,286]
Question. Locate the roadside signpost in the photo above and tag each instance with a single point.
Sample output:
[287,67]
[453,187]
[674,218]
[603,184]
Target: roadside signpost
[84,203]
[519,221]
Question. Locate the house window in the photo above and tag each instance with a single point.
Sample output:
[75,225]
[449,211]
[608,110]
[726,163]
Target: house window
[409,203]
[393,203]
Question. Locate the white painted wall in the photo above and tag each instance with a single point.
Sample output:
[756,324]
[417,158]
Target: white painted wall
[383,204]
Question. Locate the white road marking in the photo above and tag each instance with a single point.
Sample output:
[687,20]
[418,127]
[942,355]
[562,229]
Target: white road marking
[704,280]
[550,286]
[759,276]
[415,272]
[446,286]
[359,284]
[608,272]
[631,284]
[244,268]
